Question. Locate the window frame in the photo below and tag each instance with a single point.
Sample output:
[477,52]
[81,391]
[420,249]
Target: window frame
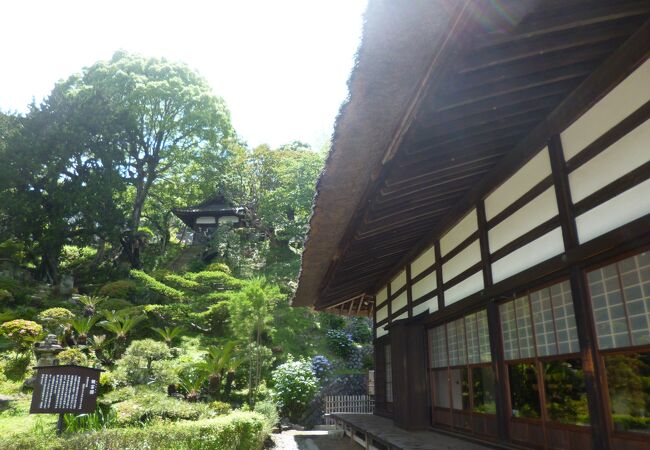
[602,353]
[536,360]
[467,366]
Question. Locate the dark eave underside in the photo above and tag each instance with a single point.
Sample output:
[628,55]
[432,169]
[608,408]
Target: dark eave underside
[499,87]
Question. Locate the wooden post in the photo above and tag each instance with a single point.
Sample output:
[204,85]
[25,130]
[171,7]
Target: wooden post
[59,424]
[584,322]
[499,368]
[591,367]
[439,279]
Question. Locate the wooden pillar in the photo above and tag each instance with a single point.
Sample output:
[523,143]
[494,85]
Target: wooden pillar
[591,367]
[380,376]
[584,321]
[410,390]
[439,279]
[502,399]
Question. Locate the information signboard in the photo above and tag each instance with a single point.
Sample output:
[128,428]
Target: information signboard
[65,389]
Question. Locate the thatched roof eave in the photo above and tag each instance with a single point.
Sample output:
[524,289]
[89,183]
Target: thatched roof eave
[382,88]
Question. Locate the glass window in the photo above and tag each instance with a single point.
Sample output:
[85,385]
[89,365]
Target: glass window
[389,374]
[524,328]
[544,324]
[440,388]
[483,336]
[471,335]
[483,385]
[564,318]
[628,384]
[552,320]
[524,392]
[509,331]
[456,342]
[467,342]
[620,298]
[566,396]
[459,388]
[438,347]
[478,338]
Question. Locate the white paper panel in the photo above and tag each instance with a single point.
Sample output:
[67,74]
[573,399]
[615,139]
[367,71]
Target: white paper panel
[461,290]
[382,331]
[382,313]
[539,250]
[424,286]
[624,208]
[399,302]
[623,100]
[627,154]
[206,220]
[398,282]
[423,262]
[537,211]
[534,171]
[462,261]
[404,315]
[381,296]
[430,306]
[461,231]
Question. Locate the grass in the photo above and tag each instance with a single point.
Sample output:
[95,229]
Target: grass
[16,419]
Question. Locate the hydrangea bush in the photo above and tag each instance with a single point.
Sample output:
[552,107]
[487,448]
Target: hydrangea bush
[22,333]
[295,386]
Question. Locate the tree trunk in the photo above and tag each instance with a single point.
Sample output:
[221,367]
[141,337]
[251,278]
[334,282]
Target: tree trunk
[230,381]
[48,269]
[214,385]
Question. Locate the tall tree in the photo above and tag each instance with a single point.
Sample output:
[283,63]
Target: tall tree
[58,184]
[164,116]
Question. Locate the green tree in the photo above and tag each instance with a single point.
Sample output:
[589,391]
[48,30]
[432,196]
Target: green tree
[251,314]
[163,116]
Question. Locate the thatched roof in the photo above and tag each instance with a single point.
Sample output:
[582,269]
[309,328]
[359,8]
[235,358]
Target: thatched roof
[383,84]
[445,95]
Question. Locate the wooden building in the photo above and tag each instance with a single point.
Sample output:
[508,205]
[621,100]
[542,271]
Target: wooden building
[487,201]
[207,216]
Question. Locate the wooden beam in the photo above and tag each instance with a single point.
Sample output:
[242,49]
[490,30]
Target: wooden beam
[563,193]
[620,64]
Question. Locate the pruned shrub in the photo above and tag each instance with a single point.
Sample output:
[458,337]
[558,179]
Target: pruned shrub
[179,282]
[172,314]
[295,386]
[136,405]
[121,289]
[22,333]
[215,279]
[220,407]
[218,267]
[238,430]
[73,356]
[55,319]
[215,319]
[156,286]
[143,363]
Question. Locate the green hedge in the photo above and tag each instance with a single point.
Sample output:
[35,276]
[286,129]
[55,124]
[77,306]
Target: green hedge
[179,282]
[215,279]
[156,286]
[122,289]
[235,431]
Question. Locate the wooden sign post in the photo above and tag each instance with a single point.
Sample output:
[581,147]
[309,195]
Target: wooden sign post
[65,389]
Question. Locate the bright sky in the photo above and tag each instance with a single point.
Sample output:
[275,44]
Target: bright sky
[281,65]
